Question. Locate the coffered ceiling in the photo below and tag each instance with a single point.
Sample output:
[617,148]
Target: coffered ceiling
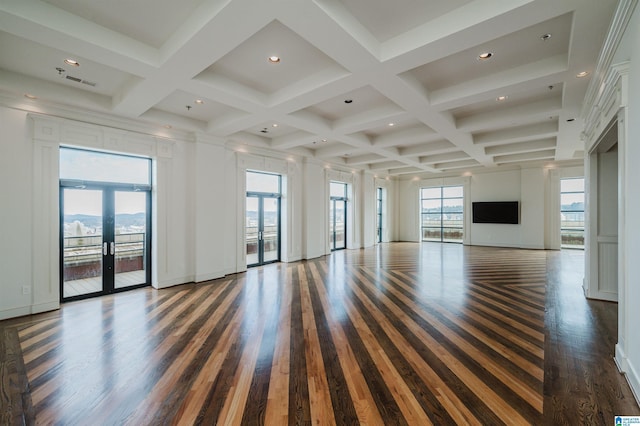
[395,87]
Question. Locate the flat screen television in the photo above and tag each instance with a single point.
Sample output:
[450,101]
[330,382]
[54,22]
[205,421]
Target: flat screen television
[496,212]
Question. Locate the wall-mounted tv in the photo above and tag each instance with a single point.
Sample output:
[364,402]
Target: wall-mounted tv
[496,212]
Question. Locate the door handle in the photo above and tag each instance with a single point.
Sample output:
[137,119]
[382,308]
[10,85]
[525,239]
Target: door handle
[104,249]
[113,248]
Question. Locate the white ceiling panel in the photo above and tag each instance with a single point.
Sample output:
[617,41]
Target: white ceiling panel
[410,63]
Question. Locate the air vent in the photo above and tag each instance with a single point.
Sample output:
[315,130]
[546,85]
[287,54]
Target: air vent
[79,80]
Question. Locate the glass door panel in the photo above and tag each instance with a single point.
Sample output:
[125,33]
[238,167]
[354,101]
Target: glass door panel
[130,237]
[82,242]
[340,221]
[270,229]
[332,224]
[253,211]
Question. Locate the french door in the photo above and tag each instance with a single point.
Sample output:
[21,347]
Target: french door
[338,223]
[263,229]
[105,239]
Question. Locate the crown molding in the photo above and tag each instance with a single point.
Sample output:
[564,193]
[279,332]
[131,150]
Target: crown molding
[619,23]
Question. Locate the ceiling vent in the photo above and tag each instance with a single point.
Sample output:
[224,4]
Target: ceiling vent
[79,80]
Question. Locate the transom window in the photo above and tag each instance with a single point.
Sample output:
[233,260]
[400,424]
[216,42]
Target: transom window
[265,183]
[93,166]
[442,214]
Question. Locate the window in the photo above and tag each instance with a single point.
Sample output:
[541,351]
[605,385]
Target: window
[379,194]
[337,215]
[442,211]
[572,213]
[93,166]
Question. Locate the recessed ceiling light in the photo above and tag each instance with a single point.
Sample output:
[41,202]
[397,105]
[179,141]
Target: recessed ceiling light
[582,74]
[274,59]
[199,101]
[392,124]
[484,56]
[274,125]
[324,140]
[72,62]
[30,96]
[348,101]
[545,37]
[501,98]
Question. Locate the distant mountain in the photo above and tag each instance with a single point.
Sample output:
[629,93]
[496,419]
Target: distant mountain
[123,219]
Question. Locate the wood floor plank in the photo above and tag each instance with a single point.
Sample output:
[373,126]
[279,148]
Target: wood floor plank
[277,409]
[320,401]
[399,333]
[491,360]
[359,388]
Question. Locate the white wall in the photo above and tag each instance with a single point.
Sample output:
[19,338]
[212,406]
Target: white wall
[314,212]
[537,189]
[631,267]
[16,175]
[500,186]
[210,211]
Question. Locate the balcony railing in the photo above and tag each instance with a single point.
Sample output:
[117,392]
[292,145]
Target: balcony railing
[83,255]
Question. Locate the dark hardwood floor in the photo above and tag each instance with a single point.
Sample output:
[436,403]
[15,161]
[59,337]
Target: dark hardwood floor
[402,333]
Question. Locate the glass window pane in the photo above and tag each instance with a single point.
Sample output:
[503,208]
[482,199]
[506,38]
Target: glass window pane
[263,182]
[431,206]
[572,238]
[452,191]
[92,166]
[251,229]
[431,192]
[82,242]
[431,234]
[452,234]
[572,202]
[338,189]
[431,219]
[572,213]
[130,228]
[572,185]
[452,205]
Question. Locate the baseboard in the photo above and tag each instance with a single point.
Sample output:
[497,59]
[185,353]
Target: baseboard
[629,371]
[15,312]
[173,282]
[620,359]
[29,310]
[314,255]
[209,276]
[634,381]
[45,307]
[532,247]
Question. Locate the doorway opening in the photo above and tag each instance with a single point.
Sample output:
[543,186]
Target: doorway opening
[337,215]
[379,213]
[105,223]
[262,230]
